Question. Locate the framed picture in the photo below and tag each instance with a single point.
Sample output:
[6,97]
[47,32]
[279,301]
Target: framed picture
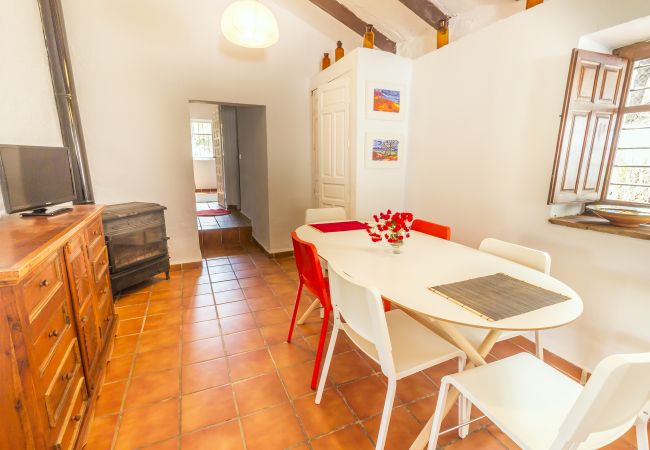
[384,150]
[385,101]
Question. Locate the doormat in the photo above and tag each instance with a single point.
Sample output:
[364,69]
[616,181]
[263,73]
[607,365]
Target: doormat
[213,212]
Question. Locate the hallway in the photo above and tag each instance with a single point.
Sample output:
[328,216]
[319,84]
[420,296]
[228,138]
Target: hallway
[232,220]
[221,234]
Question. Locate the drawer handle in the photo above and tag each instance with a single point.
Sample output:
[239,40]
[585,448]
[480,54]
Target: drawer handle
[103,291]
[53,333]
[67,376]
[84,319]
[76,418]
[44,283]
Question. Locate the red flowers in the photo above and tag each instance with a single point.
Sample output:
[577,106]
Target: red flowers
[393,227]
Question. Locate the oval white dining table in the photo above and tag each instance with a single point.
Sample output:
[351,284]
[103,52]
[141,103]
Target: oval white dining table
[428,261]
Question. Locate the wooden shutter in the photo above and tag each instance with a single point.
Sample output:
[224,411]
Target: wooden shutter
[591,104]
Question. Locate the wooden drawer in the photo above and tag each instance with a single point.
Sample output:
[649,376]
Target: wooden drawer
[103,289]
[63,382]
[45,280]
[75,244]
[105,317]
[50,327]
[73,418]
[49,368]
[79,275]
[100,265]
[105,308]
[89,337]
[95,235]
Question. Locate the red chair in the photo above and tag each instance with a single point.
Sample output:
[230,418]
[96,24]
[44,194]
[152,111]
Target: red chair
[431,228]
[311,276]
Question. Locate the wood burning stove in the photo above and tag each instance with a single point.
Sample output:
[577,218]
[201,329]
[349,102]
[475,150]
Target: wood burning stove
[137,242]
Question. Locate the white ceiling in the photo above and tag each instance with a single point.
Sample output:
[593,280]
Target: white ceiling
[415,37]
[621,35]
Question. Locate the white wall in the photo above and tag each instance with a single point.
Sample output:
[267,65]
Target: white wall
[378,189]
[484,124]
[254,173]
[137,64]
[205,174]
[27,110]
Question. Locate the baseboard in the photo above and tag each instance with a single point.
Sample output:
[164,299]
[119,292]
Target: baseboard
[285,254]
[564,365]
[280,254]
[186,266]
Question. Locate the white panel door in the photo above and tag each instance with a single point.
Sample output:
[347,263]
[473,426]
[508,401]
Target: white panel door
[332,171]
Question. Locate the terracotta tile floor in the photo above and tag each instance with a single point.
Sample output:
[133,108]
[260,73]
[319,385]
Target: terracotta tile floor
[200,362]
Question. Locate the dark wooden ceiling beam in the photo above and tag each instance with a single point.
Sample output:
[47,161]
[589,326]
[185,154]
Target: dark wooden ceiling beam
[427,11]
[350,20]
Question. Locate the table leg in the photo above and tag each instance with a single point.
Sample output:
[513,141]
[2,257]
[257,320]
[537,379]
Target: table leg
[306,314]
[431,324]
[476,357]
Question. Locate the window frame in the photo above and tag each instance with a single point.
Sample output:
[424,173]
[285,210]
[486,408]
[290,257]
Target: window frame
[633,52]
[192,134]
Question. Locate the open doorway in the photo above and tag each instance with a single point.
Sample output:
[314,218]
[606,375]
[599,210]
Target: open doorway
[229,155]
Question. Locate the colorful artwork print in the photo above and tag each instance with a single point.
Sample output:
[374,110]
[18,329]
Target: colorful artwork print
[385,149]
[386,100]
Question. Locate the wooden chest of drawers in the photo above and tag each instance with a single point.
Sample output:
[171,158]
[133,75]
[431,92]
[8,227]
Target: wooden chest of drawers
[57,324]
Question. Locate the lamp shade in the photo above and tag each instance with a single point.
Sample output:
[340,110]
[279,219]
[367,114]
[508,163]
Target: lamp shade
[249,23]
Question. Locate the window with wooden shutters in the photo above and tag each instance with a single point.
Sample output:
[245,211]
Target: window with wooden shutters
[591,105]
[629,175]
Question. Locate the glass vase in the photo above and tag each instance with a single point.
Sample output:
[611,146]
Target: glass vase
[442,37]
[397,247]
[339,52]
[369,37]
[326,61]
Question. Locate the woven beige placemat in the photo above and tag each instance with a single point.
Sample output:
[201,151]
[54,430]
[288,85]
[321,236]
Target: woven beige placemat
[498,296]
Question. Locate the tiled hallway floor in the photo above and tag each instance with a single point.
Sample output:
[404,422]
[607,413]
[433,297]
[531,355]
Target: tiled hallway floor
[232,220]
[201,362]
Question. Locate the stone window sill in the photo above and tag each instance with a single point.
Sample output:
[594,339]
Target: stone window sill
[594,223]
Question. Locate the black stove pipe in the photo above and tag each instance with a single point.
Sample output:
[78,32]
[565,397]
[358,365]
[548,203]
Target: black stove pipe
[58,56]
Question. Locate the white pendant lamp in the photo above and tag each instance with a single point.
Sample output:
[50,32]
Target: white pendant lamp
[250,24]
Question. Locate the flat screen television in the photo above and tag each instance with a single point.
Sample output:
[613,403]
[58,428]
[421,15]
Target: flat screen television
[33,178]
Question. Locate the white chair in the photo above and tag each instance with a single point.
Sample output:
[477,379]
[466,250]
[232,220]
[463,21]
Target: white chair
[314,215]
[642,427]
[399,343]
[529,257]
[540,408]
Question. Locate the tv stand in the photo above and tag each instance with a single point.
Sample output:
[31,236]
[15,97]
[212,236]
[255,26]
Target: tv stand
[44,212]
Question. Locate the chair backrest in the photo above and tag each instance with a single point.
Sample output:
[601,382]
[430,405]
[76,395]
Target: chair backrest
[314,215]
[613,397]
[434,229]
[309,269]
[363,311]
[535,259]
